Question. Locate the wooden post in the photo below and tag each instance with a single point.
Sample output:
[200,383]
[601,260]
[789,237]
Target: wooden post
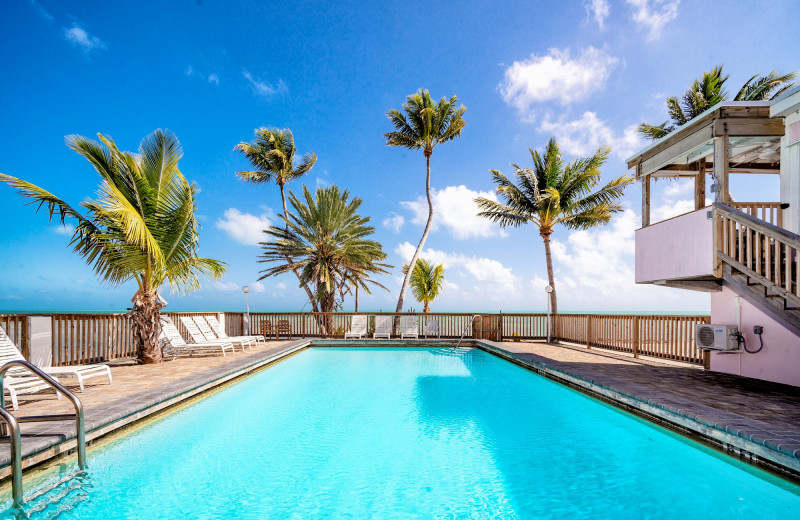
[645,196]
[500,328]
[636,336]
[588,331]
[722,167]
[700,186]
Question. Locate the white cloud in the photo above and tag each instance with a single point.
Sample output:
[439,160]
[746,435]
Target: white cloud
[78,36]
[258,287]
[213,78]
[672,209]
[67,229]
[455,208]
[394,222]
[556,76]
[225,286]
[244,227]
[262,88]
[280,286]
[653,15]
[189,71]
[482,277]
[597,9]
[41,10]
[678,187]
[585,135]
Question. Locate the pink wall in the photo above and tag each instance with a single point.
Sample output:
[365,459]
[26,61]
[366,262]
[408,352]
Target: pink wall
[779,361]
[681,247]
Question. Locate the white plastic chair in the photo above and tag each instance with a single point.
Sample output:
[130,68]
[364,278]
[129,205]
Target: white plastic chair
[209,334]
[409,327]
[431,328]
[216,326]
[177,346]
[358,327]
[383,327]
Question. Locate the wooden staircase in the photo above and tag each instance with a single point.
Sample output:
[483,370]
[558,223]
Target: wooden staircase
[759,261]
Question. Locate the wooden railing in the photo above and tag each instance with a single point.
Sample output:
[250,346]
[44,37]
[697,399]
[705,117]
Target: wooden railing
[666,337]
[767,211]
[764,252]
[88,338]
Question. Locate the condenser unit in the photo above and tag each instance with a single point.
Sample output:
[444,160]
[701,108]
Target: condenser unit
[716,337]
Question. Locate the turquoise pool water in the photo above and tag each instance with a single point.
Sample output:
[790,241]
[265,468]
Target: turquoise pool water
[409,433]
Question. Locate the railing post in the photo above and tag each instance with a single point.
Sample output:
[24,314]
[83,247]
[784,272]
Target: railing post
[588,331]
[500,328]
[636,336]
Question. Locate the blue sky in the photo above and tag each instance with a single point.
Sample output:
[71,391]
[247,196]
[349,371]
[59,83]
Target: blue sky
[212,72]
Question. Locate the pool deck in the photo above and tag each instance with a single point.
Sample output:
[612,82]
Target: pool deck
[754,420]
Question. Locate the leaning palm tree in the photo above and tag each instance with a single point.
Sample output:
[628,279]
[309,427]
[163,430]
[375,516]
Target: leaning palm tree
[555,193]
[425,125]
[272,155]
[326,242]
[427,282]
[709,90]
[141,227]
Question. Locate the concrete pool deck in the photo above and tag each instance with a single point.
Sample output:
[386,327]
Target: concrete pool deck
[754,420]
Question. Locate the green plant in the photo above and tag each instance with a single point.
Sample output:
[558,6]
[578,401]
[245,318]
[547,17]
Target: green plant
[326,241]
[141,226]
[554,193]
[426,282]
[424,126]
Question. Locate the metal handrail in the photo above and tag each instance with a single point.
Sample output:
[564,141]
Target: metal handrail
[13,423]
[464,332]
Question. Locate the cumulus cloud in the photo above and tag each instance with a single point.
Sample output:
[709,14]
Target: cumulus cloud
[455,209]
[67,229]
[556,76]
[597,10]
[244,227]
[482,277]
[585,135]
[394,222]
[77,35]
[653,15]
[213,78]
[258,287]
[225,286]
[672,209]
[280,286]
[264,89]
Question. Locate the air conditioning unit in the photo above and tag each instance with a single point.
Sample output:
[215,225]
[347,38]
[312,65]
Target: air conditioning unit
[717,337]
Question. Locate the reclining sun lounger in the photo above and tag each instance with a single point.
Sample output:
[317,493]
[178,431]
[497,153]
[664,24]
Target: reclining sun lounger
[216,326]
[358,327]
[409,327]
[432,328]
[19,381]
[177,346]
[209,334]
[383,327]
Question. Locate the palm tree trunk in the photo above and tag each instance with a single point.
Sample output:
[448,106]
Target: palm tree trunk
[288,259]
[550,279]
[356,297]
[146,325]
[422,240]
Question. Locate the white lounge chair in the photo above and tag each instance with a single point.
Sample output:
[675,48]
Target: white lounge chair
[197,337]
[358,327]
[19,376]
[216,326]
[383,327]
[177,346]
[432,328]
[409,327]
[209,334]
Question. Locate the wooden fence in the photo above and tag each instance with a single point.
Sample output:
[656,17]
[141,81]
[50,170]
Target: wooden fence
[90,338]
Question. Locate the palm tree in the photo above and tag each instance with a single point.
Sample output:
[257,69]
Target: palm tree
[709,90]
[272,155]
[427,281]
[142,226]
[425,125]
[326,242]
[555,193]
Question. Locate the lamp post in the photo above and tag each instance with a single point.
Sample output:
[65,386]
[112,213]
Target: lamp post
[246,290]
[548,290]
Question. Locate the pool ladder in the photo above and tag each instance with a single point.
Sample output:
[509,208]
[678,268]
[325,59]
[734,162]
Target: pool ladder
[10,425]
[464,332]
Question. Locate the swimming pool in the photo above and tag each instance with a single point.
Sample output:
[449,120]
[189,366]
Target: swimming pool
[410,433]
